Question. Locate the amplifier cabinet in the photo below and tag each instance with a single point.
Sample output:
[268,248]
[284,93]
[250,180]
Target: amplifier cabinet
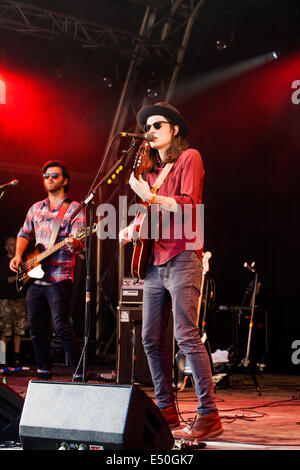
[132,365]
[131,291]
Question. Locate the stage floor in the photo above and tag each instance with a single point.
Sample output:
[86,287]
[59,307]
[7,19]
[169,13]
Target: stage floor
[251,421]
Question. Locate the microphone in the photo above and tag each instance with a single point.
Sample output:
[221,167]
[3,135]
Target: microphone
[146,136]
[9,185]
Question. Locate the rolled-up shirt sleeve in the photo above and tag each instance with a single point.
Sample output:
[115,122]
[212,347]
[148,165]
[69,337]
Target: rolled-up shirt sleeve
[192,177]
[78,224]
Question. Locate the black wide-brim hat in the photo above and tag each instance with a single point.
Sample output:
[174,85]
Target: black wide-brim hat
[168,111]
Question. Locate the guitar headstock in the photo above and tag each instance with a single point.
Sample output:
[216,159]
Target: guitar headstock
[205,258]
[85,232]
[141,160]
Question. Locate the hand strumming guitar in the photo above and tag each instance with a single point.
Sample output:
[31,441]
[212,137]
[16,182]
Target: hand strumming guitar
[125,235]
[21,246]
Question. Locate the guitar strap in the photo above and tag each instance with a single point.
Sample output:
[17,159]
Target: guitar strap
[58,220]
[162,176]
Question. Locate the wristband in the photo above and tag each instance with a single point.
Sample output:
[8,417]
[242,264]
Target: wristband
[152,200]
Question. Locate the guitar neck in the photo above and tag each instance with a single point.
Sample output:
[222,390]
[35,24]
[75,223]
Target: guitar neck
[50,251]
[200,297]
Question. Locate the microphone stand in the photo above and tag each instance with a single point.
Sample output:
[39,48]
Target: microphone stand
[89,203]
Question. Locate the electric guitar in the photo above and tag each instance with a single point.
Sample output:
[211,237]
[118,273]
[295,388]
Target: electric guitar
[142,242]
[32,267]
[183,370]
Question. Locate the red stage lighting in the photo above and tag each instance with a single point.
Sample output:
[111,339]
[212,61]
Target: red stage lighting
[2,92]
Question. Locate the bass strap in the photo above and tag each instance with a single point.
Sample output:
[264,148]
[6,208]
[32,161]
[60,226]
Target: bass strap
[58,220]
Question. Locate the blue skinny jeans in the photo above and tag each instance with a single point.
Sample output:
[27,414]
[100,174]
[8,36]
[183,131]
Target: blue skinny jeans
[181,277]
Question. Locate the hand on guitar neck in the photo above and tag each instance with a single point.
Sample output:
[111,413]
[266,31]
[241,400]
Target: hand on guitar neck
[72,243]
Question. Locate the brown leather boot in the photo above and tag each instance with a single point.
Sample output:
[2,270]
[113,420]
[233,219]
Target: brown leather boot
[171,416]
[202,427]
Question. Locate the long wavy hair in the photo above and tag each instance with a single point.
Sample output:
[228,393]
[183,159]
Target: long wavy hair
[151,157]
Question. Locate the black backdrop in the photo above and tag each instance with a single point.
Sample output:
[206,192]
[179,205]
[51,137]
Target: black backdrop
[247,132]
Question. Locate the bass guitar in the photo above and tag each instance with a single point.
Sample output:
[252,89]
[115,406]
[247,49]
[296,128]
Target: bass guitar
[32,266]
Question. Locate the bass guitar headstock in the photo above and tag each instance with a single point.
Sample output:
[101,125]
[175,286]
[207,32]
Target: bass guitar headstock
[84,232]
[205,261]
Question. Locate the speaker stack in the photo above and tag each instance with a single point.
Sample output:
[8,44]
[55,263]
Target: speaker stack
[132,365]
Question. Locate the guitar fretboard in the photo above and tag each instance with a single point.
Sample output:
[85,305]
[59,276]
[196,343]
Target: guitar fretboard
[50,251]
[32,262]
[29,264]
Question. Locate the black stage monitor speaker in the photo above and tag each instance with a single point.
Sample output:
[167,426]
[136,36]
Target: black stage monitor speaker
[11,405]
[71,416]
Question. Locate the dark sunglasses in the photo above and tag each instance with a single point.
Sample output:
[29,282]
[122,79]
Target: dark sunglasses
[156,125]
[53,175]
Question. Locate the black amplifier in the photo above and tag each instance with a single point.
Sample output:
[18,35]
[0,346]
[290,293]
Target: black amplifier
[132,364]
[131,291]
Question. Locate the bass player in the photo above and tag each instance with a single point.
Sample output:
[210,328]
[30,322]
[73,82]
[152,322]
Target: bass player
[54,289]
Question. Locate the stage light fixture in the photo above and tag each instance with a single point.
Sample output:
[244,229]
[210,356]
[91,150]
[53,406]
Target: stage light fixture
[224,39]
[151,93]
[221,45]
[107,82]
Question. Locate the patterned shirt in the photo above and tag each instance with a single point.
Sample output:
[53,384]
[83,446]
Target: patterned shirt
[39,224]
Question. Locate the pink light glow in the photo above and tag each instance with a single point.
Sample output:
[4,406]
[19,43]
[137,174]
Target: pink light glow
[2,92]
[45,119]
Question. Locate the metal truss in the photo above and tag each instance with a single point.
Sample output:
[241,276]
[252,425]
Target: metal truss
[30,20]
[157,39]
[27,19]
[172,33]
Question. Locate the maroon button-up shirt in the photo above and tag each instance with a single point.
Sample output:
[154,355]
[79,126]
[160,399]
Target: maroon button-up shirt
[182,230]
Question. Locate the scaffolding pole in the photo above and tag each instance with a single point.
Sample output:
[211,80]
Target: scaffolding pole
[182,49]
